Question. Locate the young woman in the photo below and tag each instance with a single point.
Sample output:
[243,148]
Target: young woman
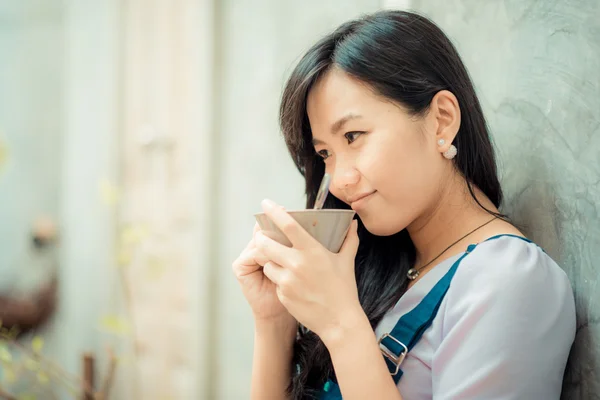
[434,294]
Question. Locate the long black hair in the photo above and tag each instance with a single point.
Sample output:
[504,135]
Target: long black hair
[406,58]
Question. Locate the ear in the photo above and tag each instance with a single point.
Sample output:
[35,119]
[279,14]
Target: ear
[446,111]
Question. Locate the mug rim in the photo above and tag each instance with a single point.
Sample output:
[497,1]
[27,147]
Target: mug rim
[307,211]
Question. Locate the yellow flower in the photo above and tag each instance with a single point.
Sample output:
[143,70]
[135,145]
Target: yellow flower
[115,324]
[133,234]
[3,153]
[109,193]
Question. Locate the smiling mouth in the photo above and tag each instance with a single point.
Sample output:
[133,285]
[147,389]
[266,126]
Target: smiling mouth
[355,203]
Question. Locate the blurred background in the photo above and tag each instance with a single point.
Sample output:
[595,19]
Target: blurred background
[138,137]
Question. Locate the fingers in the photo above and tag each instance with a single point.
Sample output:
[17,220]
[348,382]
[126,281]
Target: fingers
[250,244]
[350,245]
[274,272]
[288,225]
[249,261]
[273,250]
[252,256]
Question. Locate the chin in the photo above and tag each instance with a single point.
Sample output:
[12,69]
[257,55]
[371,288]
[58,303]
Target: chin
[380,227]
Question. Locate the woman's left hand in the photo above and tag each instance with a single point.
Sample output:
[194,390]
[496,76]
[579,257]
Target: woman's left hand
[316,286]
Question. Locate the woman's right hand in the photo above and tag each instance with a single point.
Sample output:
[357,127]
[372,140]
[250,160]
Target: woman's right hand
[259,291]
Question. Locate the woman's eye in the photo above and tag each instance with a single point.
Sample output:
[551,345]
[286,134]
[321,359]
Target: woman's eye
[323,154]
[352,136]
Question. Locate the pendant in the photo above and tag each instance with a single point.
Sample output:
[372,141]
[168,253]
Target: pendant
[412,274]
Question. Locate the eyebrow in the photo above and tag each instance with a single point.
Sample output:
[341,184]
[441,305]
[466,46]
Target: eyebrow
[338,125]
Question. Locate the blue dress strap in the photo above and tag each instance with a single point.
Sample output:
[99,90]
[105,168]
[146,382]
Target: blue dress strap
[396,344]
[411,326]
[409,329]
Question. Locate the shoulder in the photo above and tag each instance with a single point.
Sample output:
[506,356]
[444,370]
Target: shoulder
[507,324]
[512,278]
[510,264]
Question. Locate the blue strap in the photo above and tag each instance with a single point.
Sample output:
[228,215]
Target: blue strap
[410,327]
[331,391]
[413,324]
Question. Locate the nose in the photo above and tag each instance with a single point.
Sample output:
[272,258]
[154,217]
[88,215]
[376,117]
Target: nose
[344,177]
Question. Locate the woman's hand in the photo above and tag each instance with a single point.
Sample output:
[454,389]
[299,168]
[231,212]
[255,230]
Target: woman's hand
[316,286]
[258,290]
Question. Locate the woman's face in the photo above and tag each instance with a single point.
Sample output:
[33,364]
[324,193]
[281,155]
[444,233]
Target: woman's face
[384,163]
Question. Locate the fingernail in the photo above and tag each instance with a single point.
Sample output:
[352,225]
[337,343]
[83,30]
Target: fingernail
[268,204]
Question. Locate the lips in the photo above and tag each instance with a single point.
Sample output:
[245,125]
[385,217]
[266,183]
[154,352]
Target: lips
[355,201]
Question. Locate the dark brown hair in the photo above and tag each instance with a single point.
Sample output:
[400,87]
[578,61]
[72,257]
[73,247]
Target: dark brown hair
[406,58]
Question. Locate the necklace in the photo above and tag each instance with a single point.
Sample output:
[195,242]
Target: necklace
[413,273]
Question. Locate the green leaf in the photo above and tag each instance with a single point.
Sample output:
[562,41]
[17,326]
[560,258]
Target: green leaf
[5,355]
[31,364]
[43,377]
[37,344]
[9,375]
[13,332]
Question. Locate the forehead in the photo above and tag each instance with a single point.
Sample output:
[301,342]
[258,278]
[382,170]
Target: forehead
[337,94]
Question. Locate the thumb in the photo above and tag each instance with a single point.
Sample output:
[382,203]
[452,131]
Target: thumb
[350,245]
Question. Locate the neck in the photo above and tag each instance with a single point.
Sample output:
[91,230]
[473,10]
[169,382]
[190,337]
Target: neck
[454,214]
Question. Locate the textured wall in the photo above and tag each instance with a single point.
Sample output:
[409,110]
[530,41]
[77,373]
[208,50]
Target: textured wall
[536,65]
[31,122]
[164,234]
[58,114]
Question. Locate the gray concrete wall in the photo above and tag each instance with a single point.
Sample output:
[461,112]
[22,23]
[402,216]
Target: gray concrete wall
[536,65]
[31,127]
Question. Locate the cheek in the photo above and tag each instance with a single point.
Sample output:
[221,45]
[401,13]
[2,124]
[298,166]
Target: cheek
[336,192]
[402,174]
[389,165]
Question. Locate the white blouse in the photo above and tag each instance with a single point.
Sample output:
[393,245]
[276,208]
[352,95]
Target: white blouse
[503,330]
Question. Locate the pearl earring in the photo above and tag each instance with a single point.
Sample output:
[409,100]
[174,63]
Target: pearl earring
[441,142]
[451,152]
